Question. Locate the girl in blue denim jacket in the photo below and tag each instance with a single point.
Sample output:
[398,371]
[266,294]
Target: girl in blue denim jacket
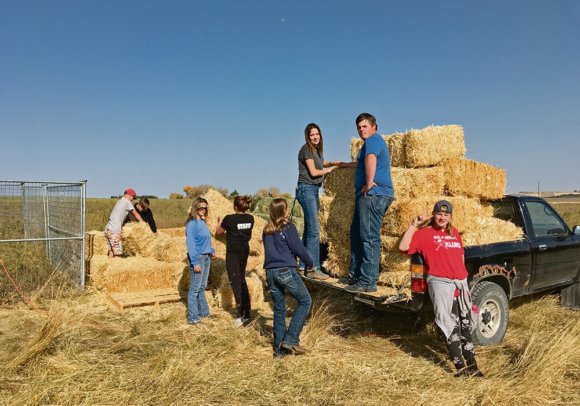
[281,247]
[199,253]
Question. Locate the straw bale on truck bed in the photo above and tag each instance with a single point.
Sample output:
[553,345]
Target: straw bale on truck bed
[426,165]
[431,145]
[464,177]
[419,148]
[407,182]
[410,183]
[395,142]
[340,182]
[490,230]
[465,210]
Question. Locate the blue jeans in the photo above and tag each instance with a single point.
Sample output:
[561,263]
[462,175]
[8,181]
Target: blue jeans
[281,281]
[307,196]
[197,306]
[365,239]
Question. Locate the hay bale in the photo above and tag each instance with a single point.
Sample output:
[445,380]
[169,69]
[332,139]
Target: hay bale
[469,178]
[395,142]
[96,244]
[169,249]
[256,243]
[135,274]
[323,214]
[394,262]
[217,270]
[490,230]
[138,239]
[219,206]
[256,286]
[256,264]
[431,145]
[338,259]
[225,294]
[395,279]
[390,242]
[412,183]
[97,269]
[173,232]
[402,212]
[420,148]
[340,182]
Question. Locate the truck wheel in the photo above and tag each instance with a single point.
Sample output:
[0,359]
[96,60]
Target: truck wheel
[492,319]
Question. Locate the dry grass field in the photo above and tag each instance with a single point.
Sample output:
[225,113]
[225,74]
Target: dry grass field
[73,349]
[77,351]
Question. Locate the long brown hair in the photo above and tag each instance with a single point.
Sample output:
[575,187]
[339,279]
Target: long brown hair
[319,148]
[193,209]
[278,209]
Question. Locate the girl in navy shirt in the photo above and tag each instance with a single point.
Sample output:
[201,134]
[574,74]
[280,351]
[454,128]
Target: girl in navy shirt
[281,247]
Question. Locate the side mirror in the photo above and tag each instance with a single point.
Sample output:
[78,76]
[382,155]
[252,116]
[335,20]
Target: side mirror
[576,230]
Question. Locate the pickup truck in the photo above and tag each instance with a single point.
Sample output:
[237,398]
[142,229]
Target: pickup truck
[547,258]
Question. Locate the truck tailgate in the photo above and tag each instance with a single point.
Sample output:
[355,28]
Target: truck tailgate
[384,295]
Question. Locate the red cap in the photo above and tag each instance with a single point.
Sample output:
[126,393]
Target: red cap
[130,192]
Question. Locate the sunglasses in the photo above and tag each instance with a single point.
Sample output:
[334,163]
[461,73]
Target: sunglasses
[202,208]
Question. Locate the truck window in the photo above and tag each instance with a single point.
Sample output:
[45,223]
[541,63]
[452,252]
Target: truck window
[544,220]
[504,210]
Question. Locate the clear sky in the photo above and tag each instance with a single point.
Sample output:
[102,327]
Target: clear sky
[158,95]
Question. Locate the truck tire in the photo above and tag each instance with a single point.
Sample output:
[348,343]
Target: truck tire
[491,321]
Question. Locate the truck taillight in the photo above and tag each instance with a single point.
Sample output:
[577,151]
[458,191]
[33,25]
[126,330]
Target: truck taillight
[418,275]
[418,285]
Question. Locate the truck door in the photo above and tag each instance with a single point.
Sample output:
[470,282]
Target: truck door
[555,250]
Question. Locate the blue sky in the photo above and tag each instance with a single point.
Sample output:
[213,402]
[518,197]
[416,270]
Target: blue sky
[158,95]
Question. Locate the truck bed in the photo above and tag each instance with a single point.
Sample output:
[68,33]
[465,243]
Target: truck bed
[385,295]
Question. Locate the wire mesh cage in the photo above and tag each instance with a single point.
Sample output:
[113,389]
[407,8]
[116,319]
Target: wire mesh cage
[48,212]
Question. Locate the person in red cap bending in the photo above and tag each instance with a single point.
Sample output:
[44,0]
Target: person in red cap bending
[113,228]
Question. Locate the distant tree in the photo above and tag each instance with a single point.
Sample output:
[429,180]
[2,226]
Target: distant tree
[234,194]
[175,195]
[270,192]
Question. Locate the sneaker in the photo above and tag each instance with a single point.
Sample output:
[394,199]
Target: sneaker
[359,288]
[317,275]
[293,348]
[345,280]
[239,322]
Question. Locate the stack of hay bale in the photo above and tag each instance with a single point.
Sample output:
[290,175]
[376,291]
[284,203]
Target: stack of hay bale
[158,262]
[427,165]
